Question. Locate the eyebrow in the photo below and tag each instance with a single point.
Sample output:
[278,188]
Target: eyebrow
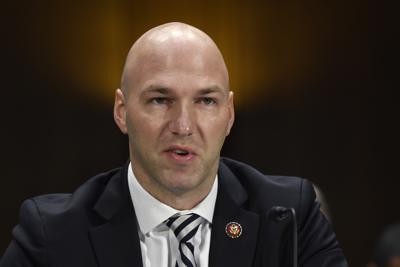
[156,89]
[165,90]
[212,89]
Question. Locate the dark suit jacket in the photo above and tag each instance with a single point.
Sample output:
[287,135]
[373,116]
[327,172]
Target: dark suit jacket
[96,225]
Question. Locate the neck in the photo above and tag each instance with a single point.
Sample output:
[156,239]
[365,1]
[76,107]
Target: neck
[180,199]
[182,202]
[177,198]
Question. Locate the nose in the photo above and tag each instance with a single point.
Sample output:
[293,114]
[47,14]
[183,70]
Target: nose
[181,122]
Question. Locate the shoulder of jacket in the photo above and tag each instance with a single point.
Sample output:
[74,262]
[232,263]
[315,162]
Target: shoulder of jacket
[84,196]
[266,191]
[248,174]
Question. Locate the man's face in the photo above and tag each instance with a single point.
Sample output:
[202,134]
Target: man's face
[178,112]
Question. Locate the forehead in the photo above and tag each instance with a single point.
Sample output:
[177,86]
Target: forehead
[187,64]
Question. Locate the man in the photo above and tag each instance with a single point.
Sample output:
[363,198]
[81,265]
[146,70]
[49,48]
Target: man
[175,203]
[387,248]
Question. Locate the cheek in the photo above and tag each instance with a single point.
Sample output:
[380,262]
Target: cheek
[142,127]
[215,127]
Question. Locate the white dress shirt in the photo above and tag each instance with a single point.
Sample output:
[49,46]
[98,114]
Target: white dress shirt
[158,243]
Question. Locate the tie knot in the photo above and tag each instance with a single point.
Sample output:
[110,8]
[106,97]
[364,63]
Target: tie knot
[184,226]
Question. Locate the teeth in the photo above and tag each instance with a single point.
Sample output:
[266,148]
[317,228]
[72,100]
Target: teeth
[180,152]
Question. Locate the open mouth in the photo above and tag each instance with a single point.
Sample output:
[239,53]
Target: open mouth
[180,152]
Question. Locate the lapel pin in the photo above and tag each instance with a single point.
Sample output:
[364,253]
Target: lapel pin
[233,229]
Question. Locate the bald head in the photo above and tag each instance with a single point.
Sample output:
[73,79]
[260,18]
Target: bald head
[172,46]
[175,99]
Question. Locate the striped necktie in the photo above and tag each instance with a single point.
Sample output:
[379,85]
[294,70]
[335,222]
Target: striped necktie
[184,228]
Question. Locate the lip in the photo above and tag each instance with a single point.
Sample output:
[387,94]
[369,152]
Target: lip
[180,158]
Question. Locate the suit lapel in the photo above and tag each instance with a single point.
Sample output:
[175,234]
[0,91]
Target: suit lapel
[224,250]
[116,242]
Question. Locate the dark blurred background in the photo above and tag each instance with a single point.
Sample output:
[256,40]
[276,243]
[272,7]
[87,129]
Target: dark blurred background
[314,84]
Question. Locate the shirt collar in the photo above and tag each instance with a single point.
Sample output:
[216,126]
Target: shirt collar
[150,212]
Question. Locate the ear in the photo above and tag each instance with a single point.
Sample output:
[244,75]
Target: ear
[120,111]
[231,113]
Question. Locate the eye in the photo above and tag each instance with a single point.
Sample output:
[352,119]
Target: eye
[160,100]
[208,101]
